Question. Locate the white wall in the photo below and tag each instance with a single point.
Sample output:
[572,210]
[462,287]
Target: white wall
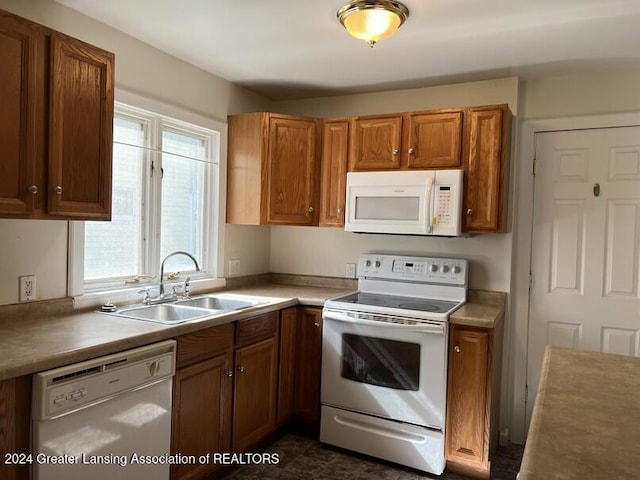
[40,247]
[324,251]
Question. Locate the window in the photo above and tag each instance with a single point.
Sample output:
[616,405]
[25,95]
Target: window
[165,198]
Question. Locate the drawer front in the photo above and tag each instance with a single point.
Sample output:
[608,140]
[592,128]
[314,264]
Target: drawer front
[255,329]
[203,344]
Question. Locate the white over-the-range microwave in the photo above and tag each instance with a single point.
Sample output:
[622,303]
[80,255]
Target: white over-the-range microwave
[420,202]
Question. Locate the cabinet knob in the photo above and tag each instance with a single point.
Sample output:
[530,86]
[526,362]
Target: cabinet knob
[57,190]
[411,151]
[396,151]
[310,209]
[456,349]
[339,210]
[469,211]
[241,369]
[32,189]
[229,373]
[316,324]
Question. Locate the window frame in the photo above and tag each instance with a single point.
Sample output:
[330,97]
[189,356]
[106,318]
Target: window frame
[157,116]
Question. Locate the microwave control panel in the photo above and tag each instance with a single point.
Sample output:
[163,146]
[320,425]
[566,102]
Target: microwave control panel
[444,202]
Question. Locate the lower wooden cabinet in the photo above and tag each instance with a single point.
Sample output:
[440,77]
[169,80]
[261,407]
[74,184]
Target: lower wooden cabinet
[201,414]
[286,370]
[472,399]
[202,398]
[255,393]
[307,367]
[15,423]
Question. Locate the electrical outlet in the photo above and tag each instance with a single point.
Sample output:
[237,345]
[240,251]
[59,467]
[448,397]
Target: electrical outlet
[27,288]
[351,270]
[234,267]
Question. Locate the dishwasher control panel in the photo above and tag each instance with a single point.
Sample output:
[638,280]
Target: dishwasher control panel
[68,388]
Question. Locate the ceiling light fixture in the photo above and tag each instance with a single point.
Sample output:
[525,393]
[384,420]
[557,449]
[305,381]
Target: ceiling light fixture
[372,20]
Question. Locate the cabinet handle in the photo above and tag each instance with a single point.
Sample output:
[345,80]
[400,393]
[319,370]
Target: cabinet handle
[310,209]
[57,190]
[456,349]
[241,369]
[316,324]
[469,211]
[396,151]
[411,151]
[229,373]
[32,189]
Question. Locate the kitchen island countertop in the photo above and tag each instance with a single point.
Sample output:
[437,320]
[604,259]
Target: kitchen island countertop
[585,419]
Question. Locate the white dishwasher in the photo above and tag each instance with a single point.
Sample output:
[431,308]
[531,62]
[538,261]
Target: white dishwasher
[105,419]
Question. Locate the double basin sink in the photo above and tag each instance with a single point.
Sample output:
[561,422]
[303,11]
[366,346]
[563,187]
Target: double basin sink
[187,310]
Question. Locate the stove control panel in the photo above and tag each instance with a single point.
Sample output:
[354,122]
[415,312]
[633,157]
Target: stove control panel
[452,271]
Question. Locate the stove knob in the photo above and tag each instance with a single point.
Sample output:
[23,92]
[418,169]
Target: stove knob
[367,263]
[456,269]
[433,267]
[444,268]
[377,264]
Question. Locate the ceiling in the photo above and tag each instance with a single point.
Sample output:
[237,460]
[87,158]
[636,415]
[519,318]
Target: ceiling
[286,49]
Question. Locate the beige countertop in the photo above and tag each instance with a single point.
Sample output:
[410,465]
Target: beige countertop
[41,337]
[586,419]
[37,342]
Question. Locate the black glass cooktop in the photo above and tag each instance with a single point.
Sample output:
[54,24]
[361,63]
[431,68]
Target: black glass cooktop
[397,302]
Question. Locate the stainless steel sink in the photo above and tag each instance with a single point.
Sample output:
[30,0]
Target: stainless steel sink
[219,302]
[187,310]
[167,314]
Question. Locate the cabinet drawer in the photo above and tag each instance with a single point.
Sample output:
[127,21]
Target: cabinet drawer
[203,344]
[257,328]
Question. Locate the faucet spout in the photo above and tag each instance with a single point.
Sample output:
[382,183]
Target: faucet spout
[179,252]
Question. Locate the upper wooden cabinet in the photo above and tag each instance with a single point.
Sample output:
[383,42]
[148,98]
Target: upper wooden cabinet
[56,124]
[333,184]
[433,140]
[486,169]
[375,143]
[410,140]
[272,173]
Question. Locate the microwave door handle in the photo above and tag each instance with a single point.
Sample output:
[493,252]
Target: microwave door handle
[429,204]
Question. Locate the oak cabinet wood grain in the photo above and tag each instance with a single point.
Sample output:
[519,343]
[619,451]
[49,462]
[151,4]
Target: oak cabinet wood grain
[473,395]
[15,424]
[307,367]
[375,143]
[433,140]
[333,179]
[56,126]
[286,364]
[272,169]
[486,169]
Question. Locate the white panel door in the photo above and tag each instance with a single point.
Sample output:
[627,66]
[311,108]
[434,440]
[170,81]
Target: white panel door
[586,238]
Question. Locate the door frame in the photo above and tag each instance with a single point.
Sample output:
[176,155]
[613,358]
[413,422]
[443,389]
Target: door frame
[522,249]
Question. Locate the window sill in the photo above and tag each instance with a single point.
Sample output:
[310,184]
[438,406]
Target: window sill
[129,294]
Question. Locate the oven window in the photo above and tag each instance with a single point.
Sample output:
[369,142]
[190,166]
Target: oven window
[381,362]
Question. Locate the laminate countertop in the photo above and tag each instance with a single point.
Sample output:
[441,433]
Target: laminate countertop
[586,418]
[35,337]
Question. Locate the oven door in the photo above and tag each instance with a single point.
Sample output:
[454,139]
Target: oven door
[386,369]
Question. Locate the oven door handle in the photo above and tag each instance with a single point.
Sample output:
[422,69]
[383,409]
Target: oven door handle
[434,328]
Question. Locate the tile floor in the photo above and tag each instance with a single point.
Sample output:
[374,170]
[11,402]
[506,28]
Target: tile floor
[304,458]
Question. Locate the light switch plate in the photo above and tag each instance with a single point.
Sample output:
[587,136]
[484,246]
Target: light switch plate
[234,267]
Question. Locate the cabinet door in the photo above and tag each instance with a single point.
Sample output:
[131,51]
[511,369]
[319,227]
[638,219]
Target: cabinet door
[255,393]
[335,149]
[15,419]
[467,408]
[308,361]
[292,172]
[201,413]
[80,130]
[286,375]
[375,143]
[486,170]
[434,140]
[18,90]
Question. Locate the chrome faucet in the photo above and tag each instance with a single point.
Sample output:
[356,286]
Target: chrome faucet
[195,262]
